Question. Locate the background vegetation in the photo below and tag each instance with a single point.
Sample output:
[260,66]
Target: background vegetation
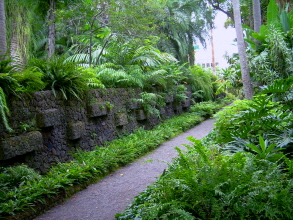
[242,170]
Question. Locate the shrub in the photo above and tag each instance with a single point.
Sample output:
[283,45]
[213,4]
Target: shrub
[203,184]
[30,80]
[247,119]
[202,82]
[62,76]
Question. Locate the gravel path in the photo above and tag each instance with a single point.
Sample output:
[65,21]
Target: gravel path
[111,195]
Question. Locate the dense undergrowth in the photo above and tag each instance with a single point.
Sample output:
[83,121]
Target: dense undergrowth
[22,189]
[205,184]
[241,170]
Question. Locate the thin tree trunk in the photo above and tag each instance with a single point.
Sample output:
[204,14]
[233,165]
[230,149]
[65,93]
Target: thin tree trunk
[256,15]
[191,50]
[3,43]
[246,80]
[52,34]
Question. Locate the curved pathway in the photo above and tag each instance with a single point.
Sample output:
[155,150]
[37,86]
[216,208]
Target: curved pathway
[111,195]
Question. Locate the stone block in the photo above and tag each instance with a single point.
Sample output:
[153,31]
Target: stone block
[185,103]
[132,105]
[75,130]
[121,119]
[169,98]
[48,118]
[162,110]
[20,145]
[97,109]
[140,115]
[177,108]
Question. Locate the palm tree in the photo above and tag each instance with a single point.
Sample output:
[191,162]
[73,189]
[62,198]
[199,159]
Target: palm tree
[185,22]
[248,90]
[52,33]
[256,15]
[3,46]
[20,17]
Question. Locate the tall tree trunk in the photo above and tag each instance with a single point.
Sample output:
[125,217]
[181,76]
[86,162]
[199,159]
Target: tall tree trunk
[256,15]
[52,34]
[246,80]
[15,50]
[3,43]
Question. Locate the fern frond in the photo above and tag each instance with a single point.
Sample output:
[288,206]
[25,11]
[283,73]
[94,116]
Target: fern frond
[4,110]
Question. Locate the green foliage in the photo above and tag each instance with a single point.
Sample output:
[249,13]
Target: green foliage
[271,49]
[149,102]
[5,67]
[114,76]
[179,93]
[202,82]
[250,118]
[16,176]
[90,77]
[203,184]
[61,76]
[230,78]
[4,110]
[180,24]
[28,188]
[205,109]
[30,80]
[8,83]
[264,150]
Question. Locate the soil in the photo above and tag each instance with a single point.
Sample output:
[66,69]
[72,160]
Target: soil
[111,195]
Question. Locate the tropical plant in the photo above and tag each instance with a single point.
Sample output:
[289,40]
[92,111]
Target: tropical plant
[230,78]
[65,77]
[116,76]
[149,102]
[264,150]
[202,82]
[203,184]
[4,110]
[30,80]
[248,119]
[28,188]
[183,23]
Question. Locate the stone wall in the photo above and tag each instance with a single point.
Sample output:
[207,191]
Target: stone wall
[46,129]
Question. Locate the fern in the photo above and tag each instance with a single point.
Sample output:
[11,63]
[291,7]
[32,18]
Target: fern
[202,81]
[61,76]
[4,110]
[149,101]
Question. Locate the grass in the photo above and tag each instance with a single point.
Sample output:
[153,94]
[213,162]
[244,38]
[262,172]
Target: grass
[34,195]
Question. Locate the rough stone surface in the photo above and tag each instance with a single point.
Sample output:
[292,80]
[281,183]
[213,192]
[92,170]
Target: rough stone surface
[20,145]
[75,130]
[48,118]
[186,103]
[121,119]
[140,115]
[97,109]
[67,125]
[169,98]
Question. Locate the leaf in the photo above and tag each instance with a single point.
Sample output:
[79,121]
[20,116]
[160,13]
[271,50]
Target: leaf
[285,21]
[254,148]
[271,148]
[262,144]
[273,12]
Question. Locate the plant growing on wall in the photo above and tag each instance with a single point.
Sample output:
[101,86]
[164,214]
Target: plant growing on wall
[4,110]
[65,77]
